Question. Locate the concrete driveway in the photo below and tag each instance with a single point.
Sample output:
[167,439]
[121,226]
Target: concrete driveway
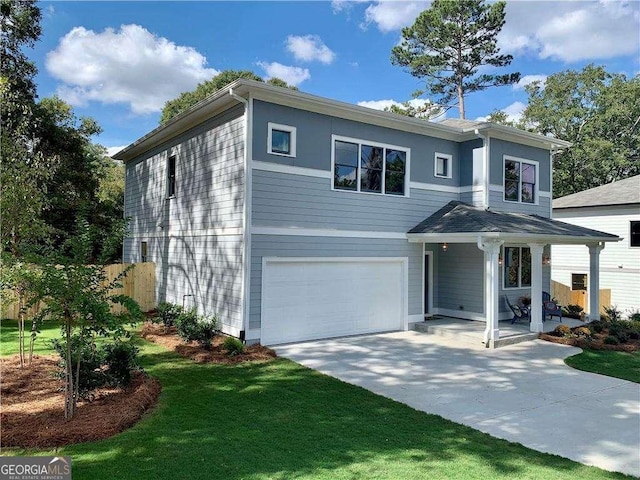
[523,393]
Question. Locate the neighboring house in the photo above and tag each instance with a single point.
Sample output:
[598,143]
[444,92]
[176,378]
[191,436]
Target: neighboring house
[296,217]
[614,208]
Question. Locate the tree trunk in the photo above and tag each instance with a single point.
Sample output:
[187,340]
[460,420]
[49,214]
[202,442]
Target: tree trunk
[461,101]
[77,387]
[68,387]
[21,327]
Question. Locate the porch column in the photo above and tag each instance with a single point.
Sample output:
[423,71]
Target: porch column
[536,287]
[594,280]
[491,249]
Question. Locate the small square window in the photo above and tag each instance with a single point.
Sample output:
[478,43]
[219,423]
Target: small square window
[578,281]
[634,234]
[442,167]
[143,251]
[281,140]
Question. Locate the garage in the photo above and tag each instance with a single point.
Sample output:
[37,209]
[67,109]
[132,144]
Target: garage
[313,298]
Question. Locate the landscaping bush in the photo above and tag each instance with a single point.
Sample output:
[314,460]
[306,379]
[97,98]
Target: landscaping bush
[572,311]
[596,327]
[622,330]
[121,358]
[194,328]
[612,313]
[611,340]
[233,346]
[634,316]
[582,332]
[562,330]
[167,313]
[92,375]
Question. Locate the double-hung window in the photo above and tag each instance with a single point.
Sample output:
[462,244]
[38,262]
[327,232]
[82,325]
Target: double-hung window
[363,166]
[520,180]
[517,267]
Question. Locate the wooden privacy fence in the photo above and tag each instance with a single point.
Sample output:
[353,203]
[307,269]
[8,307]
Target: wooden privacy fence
[565,296]
[139,284]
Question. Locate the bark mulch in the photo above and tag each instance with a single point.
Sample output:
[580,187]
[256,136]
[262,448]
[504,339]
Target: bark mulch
[168,338]
[595,343]
[32,413]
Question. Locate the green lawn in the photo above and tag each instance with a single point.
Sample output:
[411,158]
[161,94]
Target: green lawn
[9,337]
[613,364]
[279,420]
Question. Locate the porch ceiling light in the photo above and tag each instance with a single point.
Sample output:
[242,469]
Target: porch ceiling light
[500,259]
[546,259]
[444,247]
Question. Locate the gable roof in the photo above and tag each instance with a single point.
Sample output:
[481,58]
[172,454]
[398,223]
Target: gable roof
[461,219]
[222,100]
[622,192]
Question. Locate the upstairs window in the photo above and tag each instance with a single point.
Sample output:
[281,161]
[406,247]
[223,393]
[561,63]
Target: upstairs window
[517,267]
[634,233]
[520,180]
[442,165]
[143,251]
[369,167]
[171,176]
[281,140]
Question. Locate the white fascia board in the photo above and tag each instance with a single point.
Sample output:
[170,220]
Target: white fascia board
[511,134]
[471,237]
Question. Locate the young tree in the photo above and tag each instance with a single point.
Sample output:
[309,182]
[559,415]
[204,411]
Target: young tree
[599,113]
[447,45]
[77,295]
[206,88]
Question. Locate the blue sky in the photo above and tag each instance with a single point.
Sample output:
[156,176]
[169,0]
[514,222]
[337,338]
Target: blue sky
[120,61]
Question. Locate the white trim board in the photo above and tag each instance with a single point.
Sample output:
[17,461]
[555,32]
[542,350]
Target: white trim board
[319,232]
[289,169]
[205,232]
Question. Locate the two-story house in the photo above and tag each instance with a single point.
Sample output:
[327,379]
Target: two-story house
[295,217]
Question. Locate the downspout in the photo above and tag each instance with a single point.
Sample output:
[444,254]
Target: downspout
[552,153]
[246,212]
[486,151]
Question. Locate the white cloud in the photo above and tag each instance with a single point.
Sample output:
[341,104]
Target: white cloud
[345,5]
[572,31]
[130,65]
[528,80]
[308,48]
[113,150]
[292,75]
[514,112]
[415,103]
[393,15]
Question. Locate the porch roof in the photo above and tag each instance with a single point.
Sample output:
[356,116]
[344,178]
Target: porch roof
[461,222]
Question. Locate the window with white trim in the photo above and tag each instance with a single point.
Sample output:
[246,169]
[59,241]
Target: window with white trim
[520,180]
[362,166]
[143,251]
[634,233]
[516,267]
[281,140]
[442,166]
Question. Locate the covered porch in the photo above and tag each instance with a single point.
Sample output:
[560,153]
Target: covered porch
[499,248]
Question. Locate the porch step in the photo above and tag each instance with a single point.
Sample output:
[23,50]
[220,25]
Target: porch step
[473,337]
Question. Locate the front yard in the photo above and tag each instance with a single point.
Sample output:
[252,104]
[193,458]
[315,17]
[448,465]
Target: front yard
[277,419]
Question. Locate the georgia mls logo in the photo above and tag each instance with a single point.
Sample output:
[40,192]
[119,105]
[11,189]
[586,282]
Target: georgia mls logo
[35,468]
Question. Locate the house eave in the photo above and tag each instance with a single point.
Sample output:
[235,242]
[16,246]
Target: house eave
[471,237]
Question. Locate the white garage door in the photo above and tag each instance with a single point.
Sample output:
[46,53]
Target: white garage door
[305,299]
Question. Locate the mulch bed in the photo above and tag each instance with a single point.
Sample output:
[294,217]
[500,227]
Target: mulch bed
[595,343]
[33,406]
[156,333]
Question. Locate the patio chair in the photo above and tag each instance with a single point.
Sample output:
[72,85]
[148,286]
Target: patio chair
[519,313]
[550,308]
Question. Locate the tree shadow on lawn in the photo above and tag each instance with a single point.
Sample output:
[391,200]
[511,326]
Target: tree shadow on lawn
[277,419]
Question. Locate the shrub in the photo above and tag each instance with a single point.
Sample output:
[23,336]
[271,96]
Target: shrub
[233,346]
[167,313]
[612,313]
[572,311]
[562,330]
[621,330]
[611,340]
[120,358]
[582,332]
[634,316]
[194,328]
[596,326]
[92,376]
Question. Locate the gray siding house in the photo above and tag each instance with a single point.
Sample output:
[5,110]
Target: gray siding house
[294,217]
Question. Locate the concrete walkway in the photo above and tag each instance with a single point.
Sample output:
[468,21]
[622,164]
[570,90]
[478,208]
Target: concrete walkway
[523,393]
